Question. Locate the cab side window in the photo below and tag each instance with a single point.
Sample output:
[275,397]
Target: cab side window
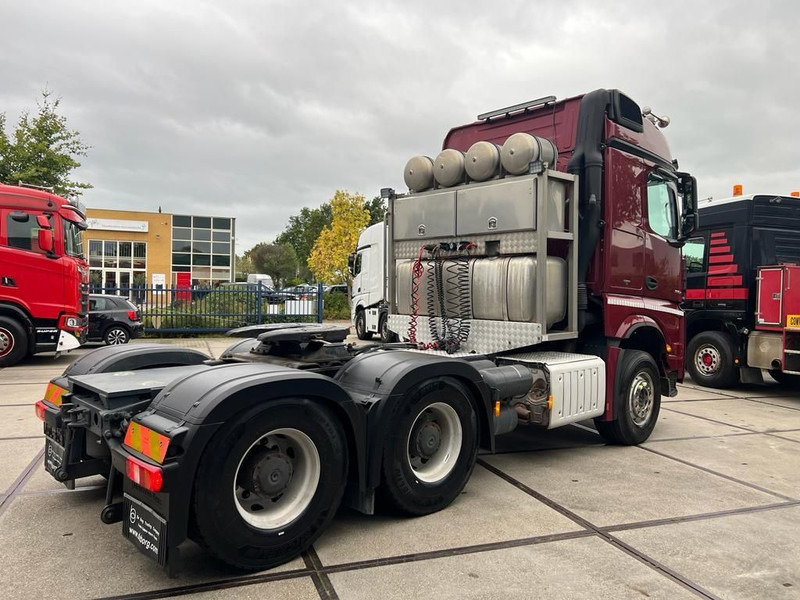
[357,268]
[22,231]
[662,209]
[694,254]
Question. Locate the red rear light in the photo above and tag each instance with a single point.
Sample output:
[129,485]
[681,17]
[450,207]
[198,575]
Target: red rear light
[39,407]
[147,476]
[132,315]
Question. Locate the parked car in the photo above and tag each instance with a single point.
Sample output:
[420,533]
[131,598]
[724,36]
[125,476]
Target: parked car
[268,294]
[339,288]
[113,319]
[304,291]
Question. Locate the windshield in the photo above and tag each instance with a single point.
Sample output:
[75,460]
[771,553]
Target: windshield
[73,238]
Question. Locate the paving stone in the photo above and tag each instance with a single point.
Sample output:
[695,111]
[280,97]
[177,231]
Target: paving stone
[755,416]
[571,569]
[489,510]
[735,557]
[613,484]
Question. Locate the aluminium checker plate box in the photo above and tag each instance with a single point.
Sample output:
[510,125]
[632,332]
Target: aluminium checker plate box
[577,383]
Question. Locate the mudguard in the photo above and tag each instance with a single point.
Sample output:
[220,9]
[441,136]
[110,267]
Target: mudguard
[133,358]
[379,380]
[191,409]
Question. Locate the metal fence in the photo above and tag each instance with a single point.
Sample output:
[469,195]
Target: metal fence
[216,310]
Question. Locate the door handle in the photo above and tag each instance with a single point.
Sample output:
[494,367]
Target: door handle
[651,282]
[8,282]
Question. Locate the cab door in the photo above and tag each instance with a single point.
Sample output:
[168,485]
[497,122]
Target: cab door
[663,276]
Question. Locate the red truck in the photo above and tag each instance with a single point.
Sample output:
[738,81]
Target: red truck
[743,290]
[534,283]
[43,274]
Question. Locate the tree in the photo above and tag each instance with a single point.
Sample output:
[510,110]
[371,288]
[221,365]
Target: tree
[328,260]
[279,261]
[244,266]
[42,150]
[377,210]
[302,232]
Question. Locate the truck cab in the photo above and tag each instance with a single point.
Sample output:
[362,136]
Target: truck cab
[742,242]
[43,274]
[367,266]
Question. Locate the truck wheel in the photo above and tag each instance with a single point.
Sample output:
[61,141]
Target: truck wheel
[710,360]
[269,483]
[387,336]
[361,326]
[13,342]
[116,335]
[638,401]
[430,453]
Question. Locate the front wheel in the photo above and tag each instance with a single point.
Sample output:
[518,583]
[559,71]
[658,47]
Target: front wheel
[361,326]
[429,455]
[710,360]
[387,335]
[13,342]
[269,483]
[637,402]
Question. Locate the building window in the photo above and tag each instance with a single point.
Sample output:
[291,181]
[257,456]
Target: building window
[200,242]
[117,267]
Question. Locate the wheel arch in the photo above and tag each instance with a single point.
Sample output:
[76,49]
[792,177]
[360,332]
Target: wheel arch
[643,333]
[205,401]
[392,377]
[21,314]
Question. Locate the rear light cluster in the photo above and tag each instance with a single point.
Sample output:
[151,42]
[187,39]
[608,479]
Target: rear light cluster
[149,477]
[132,315]
[40,408]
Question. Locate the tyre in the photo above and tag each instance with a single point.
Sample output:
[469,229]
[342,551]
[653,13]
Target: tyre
[116,335]
[13,342]
[786,379]
[430,451]
[710,360]
[361,326]
[637,402]
[269,483]
[387,336]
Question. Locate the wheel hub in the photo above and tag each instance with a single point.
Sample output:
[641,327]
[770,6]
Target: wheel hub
[641,399]
[268,473]
[708,360]
[6,342]
[427,438]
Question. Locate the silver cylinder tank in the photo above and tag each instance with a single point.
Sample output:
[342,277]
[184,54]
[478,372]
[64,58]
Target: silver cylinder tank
[448,168]
[502,289]
[418,173]
[521,149]
[483,161]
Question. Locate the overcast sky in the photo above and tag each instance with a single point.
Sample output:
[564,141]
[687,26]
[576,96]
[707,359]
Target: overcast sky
[255,109]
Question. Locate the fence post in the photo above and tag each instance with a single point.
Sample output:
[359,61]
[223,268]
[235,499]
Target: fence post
[320,303]
[258,303]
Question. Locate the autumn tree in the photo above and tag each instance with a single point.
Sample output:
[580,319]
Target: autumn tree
[42,150]
[328,259]
[279,261]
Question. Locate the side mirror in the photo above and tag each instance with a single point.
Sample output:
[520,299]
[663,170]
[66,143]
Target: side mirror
[46,242]
[351,262]
[690,219]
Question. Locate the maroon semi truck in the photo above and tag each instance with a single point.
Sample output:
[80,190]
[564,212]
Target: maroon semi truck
[533,277]
[43,273]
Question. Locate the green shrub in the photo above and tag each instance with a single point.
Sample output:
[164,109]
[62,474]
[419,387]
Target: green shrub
[335,306]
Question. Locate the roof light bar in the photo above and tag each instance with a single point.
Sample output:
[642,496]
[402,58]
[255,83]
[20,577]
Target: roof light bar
[525,106]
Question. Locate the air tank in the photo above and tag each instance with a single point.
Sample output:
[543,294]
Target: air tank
[483,161]
[521,149]
[448,168]
[418,173]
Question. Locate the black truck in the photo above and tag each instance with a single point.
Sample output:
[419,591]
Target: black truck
[728,335]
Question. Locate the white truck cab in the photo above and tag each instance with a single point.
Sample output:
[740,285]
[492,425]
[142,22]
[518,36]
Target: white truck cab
[369,283]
